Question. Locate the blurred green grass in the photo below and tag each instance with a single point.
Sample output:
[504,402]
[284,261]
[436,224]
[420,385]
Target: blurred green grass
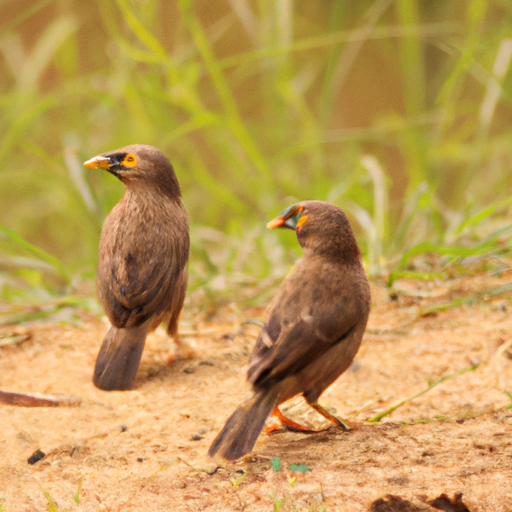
[397,111]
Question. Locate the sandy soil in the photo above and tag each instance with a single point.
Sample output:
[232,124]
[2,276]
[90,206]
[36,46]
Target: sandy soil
[146,449]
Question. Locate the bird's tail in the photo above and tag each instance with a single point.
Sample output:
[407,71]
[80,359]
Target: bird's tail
[119,357]
[240,432]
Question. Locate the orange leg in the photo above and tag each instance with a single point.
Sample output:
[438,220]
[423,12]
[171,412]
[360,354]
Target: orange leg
[327,415]
[286,422]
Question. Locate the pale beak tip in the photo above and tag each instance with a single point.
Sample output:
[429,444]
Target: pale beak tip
[98,161]
[275,223]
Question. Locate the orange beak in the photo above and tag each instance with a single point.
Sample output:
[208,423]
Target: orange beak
[276,223]
[98,161]
[288,218]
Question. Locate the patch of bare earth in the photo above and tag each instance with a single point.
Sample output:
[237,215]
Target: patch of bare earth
[146,449]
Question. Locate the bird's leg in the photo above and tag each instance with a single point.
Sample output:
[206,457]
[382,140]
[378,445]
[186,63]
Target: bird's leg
[182,349]
[285,422]
[326,414]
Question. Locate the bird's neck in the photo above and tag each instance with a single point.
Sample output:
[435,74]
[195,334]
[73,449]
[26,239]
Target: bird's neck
[148,201]
[336,249]
[166,189]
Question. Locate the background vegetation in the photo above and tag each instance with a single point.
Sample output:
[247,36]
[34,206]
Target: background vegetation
[399,111]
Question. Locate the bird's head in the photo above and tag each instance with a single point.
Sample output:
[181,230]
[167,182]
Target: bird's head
[139,164]
[322,228]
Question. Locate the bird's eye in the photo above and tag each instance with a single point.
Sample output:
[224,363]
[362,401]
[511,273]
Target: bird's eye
[130,160]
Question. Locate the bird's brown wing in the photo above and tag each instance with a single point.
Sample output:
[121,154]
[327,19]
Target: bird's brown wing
[138,281]
[141,293]
[295,335]
[298,349]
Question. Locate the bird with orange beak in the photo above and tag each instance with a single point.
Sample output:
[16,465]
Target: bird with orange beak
[313,327]
[143,255]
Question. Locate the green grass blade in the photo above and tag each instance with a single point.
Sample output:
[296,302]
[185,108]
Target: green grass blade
[432,385]
[233,117]
[36,251]
[482,215]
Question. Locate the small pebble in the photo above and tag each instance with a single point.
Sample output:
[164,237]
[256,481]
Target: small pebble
[123,428]
[36,457]
[196,437]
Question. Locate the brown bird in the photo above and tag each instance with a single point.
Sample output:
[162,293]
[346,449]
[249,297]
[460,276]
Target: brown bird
[313,326]
[143,254]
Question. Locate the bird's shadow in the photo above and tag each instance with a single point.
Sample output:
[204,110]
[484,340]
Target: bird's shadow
[320,435]
[176,372]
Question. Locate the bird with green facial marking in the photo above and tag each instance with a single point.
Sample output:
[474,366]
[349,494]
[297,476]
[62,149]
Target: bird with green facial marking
[313,326]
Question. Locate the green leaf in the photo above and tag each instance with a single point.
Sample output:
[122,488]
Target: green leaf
[275,464]
[235,482]
[300,468]
[52,505]
[509,394]
[76,495]
[427,276]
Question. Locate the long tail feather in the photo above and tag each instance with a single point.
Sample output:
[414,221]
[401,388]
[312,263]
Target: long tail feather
[119,358]
[240,432]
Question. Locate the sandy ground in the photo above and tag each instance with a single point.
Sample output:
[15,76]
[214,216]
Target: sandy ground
[145,450]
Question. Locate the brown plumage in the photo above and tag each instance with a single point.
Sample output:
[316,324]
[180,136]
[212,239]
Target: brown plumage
[313,326]
[143,254]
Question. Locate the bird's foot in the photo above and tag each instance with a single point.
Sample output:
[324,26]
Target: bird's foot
[183,349]
[240,329]
[331,417]
[172,347]
[287,423]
